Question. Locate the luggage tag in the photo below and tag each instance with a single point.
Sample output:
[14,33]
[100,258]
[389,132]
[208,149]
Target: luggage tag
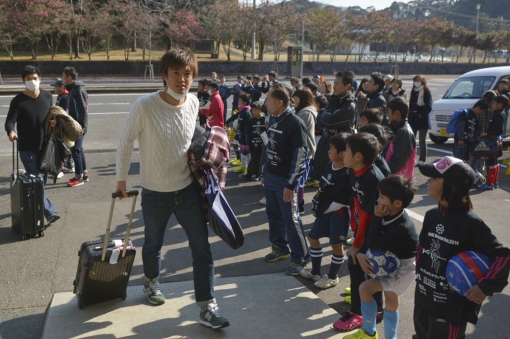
[116,251]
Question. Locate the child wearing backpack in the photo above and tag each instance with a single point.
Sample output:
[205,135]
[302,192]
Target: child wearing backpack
[466,126]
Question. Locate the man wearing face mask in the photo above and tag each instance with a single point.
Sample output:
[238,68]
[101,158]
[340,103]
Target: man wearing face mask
[28,110]
[215,112]
[164,124]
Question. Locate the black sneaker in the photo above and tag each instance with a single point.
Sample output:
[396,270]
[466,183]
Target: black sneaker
[301,206]
[210,316]
[85,177]
[52,218]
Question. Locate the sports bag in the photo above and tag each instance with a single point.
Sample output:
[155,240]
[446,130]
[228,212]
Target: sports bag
[490,146]
[221,218]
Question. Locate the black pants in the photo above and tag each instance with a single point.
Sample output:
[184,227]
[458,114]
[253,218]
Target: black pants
[428,327]
[422,142]
[357,277]
[254,165]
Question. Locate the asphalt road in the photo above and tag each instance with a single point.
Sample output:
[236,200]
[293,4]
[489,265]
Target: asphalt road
[33,270]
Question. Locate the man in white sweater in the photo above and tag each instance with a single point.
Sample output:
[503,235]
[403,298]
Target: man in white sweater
[164,122]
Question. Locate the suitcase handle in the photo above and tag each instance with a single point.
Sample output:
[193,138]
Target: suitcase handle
[15,155]
[131,193]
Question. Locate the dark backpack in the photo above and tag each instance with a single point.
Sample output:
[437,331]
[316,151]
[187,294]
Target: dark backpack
[452,124]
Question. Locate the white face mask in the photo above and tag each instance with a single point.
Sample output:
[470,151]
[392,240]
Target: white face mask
[417,84]
[176,96]
[210,92]
[32,85]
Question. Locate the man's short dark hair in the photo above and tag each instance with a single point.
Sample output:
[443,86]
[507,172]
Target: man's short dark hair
[347,78]
[481,104]
[273,73]
[378,131]
[378,79]
[71,72]
[306,80]
[313,87]
[245,97]
[240,77]
[176,58]
[396,187]
[256,76]
[280,92]
[248,77]
[256,104]
[322,101]
[373,115]
[366,144]
[214,84]
[502,99]
[399,104]
[29,69]
[339,141]
[203,82]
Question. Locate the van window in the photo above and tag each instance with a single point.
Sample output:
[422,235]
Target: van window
[470,88]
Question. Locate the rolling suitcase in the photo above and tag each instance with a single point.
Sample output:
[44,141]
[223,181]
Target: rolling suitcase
[27,202]
[105,265]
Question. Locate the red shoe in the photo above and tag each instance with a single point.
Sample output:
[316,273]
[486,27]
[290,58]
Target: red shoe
[348,322]
[75,182]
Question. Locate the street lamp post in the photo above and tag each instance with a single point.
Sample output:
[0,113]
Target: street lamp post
[477,18]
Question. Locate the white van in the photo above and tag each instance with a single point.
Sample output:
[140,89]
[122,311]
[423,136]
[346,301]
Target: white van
[464,92]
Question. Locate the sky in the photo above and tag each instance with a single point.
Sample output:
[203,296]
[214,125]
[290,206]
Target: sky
[378,4]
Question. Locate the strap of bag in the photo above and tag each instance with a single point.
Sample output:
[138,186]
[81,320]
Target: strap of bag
[211,179]
[132,193]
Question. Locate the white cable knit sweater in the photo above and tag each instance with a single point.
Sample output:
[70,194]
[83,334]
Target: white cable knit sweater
[164,135]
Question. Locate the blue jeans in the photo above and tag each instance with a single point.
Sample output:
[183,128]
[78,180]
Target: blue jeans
[30,160]
[80,165]
[157,208]
[285,226]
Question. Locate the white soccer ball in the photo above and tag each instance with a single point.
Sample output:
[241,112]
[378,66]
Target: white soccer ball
[384,263]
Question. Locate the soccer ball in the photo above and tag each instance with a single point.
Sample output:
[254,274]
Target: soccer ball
[465,270]
[384,263]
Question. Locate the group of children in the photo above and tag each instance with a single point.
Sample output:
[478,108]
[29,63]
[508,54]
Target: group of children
[485,120]
[381,222]
[366,186]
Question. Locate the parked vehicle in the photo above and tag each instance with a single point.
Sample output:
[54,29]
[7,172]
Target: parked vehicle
[464,92]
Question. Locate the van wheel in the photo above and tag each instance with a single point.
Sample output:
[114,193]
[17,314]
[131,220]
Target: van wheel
[437,140]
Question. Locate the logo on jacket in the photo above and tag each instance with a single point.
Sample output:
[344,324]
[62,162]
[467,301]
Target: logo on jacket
[439,229]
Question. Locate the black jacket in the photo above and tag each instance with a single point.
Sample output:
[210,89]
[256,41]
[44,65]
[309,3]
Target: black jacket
[78,103]
[396,234]
[405,142]
[419,117]
[445,234]
[378,100]
[340,114]
[497,123]
[287,148]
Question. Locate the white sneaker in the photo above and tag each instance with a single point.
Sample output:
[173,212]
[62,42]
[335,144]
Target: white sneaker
[263,201]
[60,175]
[306,273]
[325,282]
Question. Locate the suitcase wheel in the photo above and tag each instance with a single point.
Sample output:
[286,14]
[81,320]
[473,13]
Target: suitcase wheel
[124,296]
[81,306]
[41,233]
[22,237]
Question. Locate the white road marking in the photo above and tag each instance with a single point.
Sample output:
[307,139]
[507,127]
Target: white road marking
[414,215]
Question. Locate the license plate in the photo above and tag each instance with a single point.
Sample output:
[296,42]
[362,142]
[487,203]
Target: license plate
[442,131]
